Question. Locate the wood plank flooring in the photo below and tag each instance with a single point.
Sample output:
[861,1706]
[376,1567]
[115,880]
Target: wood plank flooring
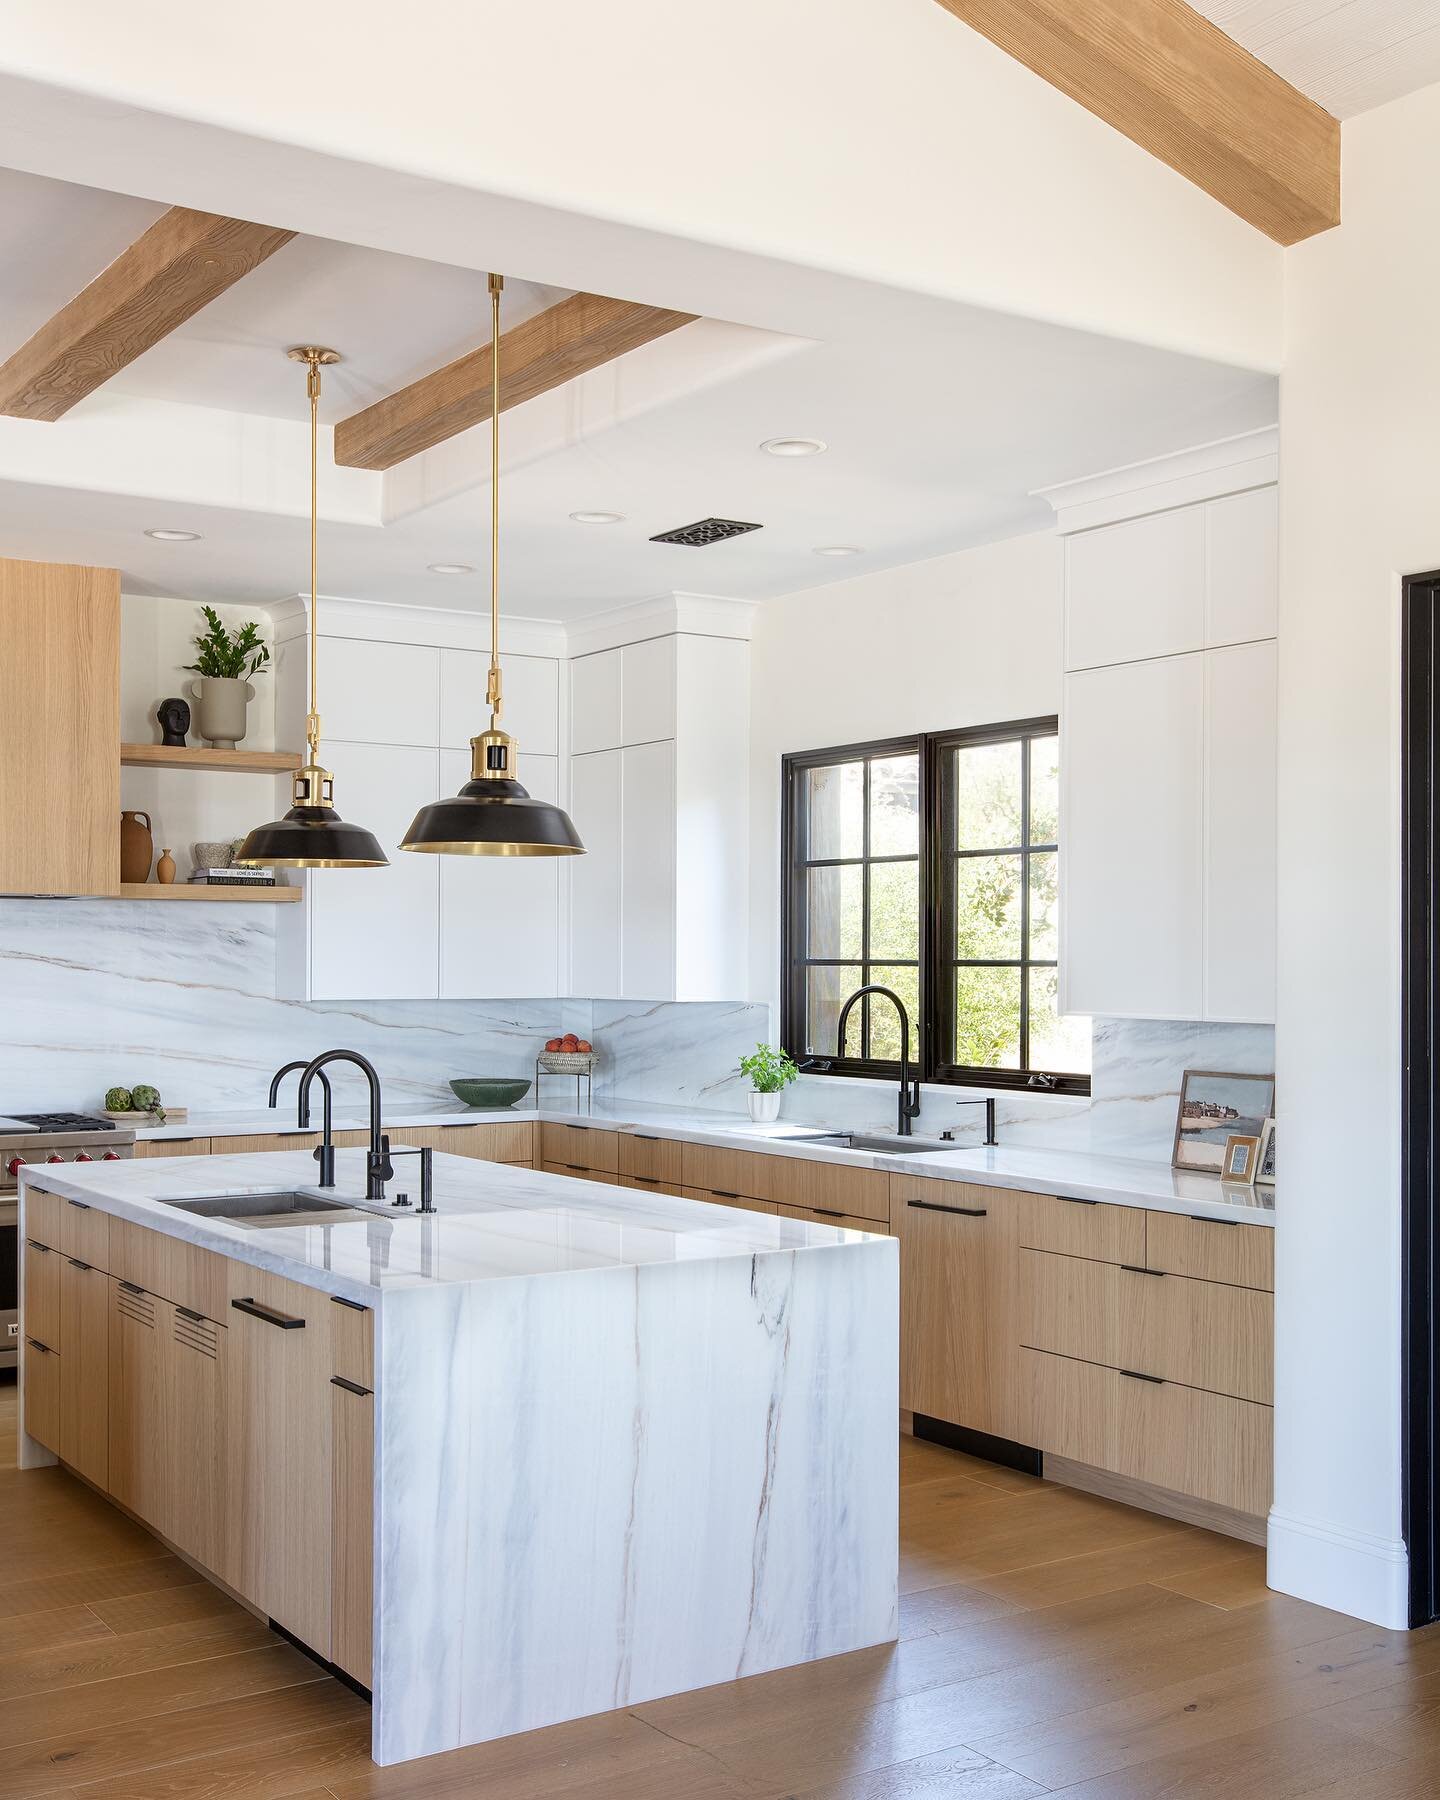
[1051,1642]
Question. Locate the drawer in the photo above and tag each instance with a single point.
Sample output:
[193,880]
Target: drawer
[42,1393]
[42,1217]
[182,1273]
[578,1147]
[652,1159]
[352,1342]
[189,1146]
[1211,1250]
[487,1143]
[599,1175]
[741,1200]
[1201,1333]
[814,1215]
[263,1143]
[1208,1446]
[1070,1306]
[40,1312]
[1114,1234]
[725,1172]
[810,1185]
[650,1184]
[85,1233]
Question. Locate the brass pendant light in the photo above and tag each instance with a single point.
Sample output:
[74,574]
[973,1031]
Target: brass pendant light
[493,815]
[312,835]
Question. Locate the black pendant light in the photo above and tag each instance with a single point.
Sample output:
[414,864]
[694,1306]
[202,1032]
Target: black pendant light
[492,815]
[312,835]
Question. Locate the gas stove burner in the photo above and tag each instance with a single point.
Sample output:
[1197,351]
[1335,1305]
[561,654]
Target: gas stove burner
[63,1121]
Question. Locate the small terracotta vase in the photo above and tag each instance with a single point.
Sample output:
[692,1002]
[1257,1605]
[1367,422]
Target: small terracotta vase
[137,846]
[165,869]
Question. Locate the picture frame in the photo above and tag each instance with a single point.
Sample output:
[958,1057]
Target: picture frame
[1216,1105]
[1265,1155]
[1240,1159]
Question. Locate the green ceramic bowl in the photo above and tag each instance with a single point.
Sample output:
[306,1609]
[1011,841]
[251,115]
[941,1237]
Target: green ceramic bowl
[489,1090]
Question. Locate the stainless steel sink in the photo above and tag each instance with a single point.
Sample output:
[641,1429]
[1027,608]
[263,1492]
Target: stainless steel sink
[260,1210]
[879,1142]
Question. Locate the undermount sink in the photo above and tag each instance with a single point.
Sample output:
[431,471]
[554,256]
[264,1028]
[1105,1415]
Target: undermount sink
[285,1208]
[880,1143]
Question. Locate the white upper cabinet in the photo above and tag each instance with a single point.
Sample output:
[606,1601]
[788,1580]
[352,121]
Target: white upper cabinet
[595,702]
[1240,824]
[372,693]
[647,871]
[1135,590]
[1242,586]
[595,891]
[531,694]
[647,691]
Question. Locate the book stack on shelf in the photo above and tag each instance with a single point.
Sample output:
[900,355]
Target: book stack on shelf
[233,876]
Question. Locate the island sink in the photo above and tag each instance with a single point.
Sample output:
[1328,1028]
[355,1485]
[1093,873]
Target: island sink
[287,1208]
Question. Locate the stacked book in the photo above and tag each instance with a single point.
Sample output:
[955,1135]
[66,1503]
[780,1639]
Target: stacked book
[234,877]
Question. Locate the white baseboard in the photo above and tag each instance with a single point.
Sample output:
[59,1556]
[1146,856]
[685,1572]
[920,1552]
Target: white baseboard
[1349,1571]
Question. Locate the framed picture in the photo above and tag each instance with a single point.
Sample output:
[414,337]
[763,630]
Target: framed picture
[1239,1162]
[1265,1155]
[1215,1107]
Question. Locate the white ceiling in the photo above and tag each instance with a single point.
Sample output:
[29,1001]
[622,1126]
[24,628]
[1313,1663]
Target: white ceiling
[1349,55]
[940,421]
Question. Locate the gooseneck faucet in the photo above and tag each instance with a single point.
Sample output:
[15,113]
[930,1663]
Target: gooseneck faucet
[280,1075]
[378,1167]
[909,1093]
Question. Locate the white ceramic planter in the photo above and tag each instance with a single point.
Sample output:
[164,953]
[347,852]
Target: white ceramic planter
[764,1108]
[220,713]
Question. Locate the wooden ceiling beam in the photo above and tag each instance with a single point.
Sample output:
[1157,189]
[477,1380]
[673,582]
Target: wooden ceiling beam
[576,335]
[179,265]
[1175,84]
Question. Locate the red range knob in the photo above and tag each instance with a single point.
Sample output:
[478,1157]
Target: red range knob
[15,1164]
[110,1156]
[54,1156]
[81,1156]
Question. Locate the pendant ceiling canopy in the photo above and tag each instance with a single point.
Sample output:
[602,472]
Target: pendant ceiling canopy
[493,815]
[312,835]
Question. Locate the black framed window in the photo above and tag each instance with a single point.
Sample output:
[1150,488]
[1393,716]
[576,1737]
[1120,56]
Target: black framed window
[930,864]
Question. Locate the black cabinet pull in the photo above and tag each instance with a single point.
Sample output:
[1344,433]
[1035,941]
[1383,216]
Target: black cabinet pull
[827,1212]
[647,1180]
[268,1313]
[1075,1200]
[75,1263]
[724,1194]
[350,1387]
[354,1305]
[35,1344]
[43,1248]
[1199,1219]
[644,1138]
[1135,1269]
[194,1317]
[1135,1375]
[81,1204]
[129,1287]
[968,1212]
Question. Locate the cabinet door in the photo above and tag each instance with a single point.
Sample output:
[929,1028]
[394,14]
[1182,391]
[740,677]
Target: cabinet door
[595,702]
[84,1370]
[1133,775]
[647,872]
[352,1416]
[1242,567]
[375,933]
[41,1371]
[499,915]
[1136,589]
[277,1459]
[60,749]
[194,1354]
[40,1312]
[140,1471]
[1240,827]
[647,691]
[532,701]
[375,693]
[595,877]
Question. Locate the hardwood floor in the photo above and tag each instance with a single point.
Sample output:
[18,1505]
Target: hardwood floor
[1051,1641]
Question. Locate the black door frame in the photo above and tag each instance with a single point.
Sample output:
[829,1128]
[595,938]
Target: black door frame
[1420,1104]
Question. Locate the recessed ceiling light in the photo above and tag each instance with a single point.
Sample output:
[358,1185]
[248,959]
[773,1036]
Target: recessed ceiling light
[451,568]
[598,518]
[166,535]
[838,549]
[794,446]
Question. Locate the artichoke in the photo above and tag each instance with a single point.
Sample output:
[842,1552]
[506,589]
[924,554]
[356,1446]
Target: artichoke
[145,1098]
[118,1099]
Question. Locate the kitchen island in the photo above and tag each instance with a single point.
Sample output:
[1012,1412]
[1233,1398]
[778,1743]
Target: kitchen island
[555,1449]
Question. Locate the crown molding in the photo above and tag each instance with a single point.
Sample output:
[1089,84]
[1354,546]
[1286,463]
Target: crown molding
[383,622]
[1207,472]
[697,615]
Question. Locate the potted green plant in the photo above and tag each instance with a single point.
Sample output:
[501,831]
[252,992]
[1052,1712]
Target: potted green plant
[224,664]
[770,1072]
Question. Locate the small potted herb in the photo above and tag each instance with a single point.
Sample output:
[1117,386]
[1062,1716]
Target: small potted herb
[224,664]
[770,1071]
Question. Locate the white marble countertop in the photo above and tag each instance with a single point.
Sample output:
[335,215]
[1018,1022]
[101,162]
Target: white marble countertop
[1078,1174]
[492,1221]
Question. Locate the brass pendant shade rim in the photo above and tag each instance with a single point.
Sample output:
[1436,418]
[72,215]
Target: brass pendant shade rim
[311,837]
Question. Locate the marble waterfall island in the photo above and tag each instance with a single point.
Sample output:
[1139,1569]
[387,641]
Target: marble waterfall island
[625,1445]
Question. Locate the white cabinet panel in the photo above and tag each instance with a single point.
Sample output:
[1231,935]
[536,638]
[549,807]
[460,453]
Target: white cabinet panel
[595,702]
[1242,587]
[378,693]
[1132,839]
[374,933]
[532,700]
[1240,820]
[595,893]
[647,691]
[647,863]
[1135,589]
[499,915]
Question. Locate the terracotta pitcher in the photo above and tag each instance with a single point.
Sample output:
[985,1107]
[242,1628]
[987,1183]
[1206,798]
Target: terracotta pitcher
[137,846]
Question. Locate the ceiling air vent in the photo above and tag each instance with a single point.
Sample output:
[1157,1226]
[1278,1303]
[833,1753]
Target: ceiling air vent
[703,532]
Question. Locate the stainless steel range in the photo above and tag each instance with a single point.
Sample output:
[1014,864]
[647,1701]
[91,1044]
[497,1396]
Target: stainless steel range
[53,1137]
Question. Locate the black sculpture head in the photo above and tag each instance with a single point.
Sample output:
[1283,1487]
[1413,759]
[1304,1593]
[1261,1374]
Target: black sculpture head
[174,717]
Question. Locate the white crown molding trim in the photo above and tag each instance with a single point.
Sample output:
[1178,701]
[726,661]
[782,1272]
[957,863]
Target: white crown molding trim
[1207,472]
[381,621]
[700,615]
[1351,1572]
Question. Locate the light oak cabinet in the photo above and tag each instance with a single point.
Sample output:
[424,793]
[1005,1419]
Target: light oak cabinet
[576,1149]
[190,1146]
[84,1370]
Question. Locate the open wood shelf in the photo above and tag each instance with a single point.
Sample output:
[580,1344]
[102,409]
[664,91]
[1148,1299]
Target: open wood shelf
[205,756]
[184,890]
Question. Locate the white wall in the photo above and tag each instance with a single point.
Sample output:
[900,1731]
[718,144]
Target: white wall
[970,639]
[1360,507]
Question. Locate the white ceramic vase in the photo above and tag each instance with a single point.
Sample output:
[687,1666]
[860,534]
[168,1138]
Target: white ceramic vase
[220,713]
[764,1108]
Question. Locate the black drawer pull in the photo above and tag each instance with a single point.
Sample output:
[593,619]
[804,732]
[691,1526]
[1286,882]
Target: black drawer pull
[75,1263]
[967,1212]
[43,1248]
[268,1313]
[81,1204]
[642,1137]
[354,1305]
[350,1387]
[129,1287]
[35,1344]
[1075,1200]
[1197,1219]
[647,1180]
[1135,1375]
[194,1317]
[724,1194]
[827,1212]
[1135,1269]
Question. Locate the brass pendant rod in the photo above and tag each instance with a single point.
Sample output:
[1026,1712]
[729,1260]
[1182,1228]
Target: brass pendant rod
[493,694]
[312,388]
